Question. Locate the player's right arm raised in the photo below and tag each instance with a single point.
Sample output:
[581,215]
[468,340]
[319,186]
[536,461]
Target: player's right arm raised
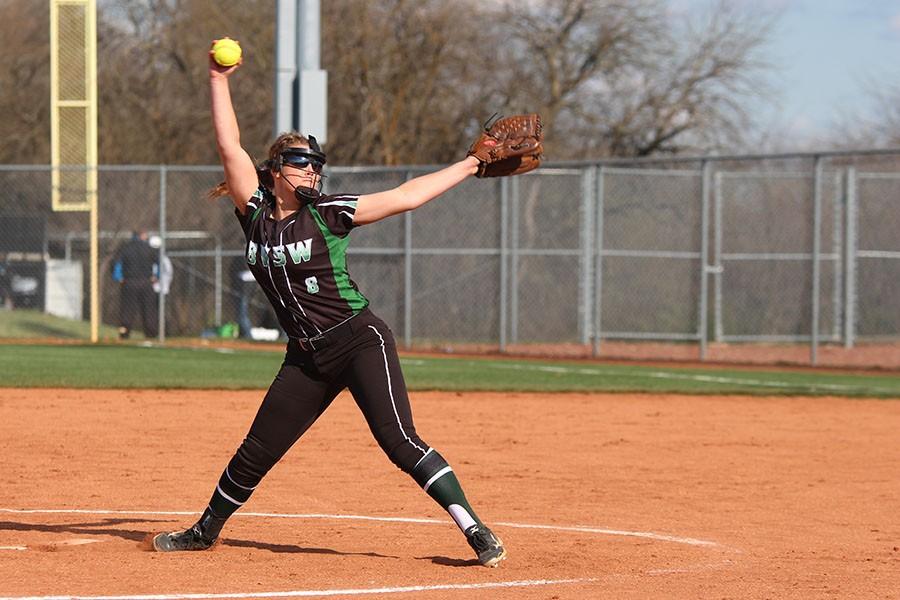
[240,173]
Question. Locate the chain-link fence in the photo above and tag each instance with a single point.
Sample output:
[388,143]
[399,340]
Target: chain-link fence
[795,249]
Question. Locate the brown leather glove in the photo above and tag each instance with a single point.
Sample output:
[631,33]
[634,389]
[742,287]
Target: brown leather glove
[509,146]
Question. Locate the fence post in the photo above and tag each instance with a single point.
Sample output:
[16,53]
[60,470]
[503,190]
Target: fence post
[407,275]
[836,245]
[514,260]
[817,235]
[703,324]
[851,242]
[218,282]
[587,235]
[598,264]
[161,306]
[69,237]
[504,254]
[718,330]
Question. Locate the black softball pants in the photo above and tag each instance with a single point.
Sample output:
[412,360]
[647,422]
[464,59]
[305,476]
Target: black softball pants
[139,301]
[363,358]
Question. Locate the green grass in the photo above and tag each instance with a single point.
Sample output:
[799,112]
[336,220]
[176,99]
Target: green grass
[512,375]
[129,366]
[37,324]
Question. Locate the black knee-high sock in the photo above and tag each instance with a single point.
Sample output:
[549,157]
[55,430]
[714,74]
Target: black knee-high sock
[436,477]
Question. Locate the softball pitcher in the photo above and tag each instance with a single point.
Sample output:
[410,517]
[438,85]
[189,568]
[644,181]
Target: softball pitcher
[296,243]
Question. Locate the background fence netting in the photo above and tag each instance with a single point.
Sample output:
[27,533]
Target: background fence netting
[766,249]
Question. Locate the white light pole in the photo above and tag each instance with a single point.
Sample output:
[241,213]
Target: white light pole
[301,87]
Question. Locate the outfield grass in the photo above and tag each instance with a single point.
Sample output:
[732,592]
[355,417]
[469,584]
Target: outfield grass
[129,366]
[23,323]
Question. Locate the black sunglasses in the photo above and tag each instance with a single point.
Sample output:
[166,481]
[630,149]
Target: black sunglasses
[300,161]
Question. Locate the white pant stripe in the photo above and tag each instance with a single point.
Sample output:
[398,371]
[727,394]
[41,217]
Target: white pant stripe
[437,476]
[227,474]
[227,497]
[430,450]
[387,372]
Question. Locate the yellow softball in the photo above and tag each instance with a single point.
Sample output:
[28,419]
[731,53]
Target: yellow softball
[226,52]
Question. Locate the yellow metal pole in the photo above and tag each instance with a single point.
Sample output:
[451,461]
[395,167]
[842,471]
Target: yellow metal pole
[91,37]
[54,104]
[73,124]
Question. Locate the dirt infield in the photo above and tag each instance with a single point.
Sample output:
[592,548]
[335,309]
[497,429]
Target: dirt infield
[638,496]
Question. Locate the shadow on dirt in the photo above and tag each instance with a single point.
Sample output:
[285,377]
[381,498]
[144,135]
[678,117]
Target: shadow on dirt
[446,561]
[101,527]
[290,548]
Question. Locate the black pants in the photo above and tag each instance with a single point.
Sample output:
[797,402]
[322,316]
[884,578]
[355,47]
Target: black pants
[362,356]
[139,301]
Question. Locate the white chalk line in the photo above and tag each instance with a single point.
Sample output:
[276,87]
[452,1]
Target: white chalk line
[320,593]
[641,534]
[835,387]
[573,528]
[368,591]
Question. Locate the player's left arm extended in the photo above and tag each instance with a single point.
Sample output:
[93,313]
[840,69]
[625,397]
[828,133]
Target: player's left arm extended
[413,193]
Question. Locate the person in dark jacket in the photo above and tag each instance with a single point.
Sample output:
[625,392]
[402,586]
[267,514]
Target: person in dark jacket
[135,269]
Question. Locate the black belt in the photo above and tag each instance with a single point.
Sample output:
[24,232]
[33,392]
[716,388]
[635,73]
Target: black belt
[338,333]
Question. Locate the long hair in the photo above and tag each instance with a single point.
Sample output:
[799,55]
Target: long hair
[287,139]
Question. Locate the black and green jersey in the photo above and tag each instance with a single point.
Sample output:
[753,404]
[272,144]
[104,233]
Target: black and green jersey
[301,261]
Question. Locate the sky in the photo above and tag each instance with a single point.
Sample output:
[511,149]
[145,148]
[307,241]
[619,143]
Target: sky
[824,54]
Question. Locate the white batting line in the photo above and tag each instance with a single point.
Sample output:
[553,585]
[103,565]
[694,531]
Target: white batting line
[320,593]
[640,534]
[573,528]
[85,511]
[684,376]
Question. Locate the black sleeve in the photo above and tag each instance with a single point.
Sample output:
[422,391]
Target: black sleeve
[338,212]
[253,209]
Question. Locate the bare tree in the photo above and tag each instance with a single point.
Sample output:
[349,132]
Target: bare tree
[25,82]
[402,75]
[409,80]
[875,125]
[889,108]
[153,92]
[630,78]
